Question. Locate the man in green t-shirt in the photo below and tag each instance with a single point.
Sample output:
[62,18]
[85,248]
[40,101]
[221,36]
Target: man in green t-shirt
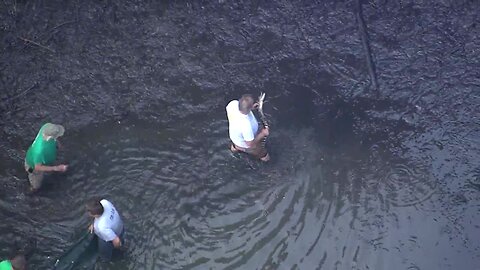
[42,154]
[17,263]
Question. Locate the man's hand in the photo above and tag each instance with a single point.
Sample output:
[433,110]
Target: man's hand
[61,168]
[116,242]
[260,135]
[265,132]
[255,105]
[90,228]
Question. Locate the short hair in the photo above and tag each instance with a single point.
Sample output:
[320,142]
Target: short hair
[19,262]
[94,207]
[245,104]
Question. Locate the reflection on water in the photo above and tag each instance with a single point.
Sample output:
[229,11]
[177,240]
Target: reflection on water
[405,185]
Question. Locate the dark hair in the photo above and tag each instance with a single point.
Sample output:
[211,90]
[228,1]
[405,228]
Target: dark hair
[19,262]
[94,207]
[245,104]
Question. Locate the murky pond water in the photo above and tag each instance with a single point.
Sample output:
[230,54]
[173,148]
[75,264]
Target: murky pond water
[360,178]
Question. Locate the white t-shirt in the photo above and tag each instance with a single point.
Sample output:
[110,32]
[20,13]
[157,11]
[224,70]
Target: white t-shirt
[109,225]
[241,127]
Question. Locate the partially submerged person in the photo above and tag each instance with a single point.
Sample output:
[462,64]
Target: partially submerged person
[16,263]
[243,128]
[107,225]
[42,154]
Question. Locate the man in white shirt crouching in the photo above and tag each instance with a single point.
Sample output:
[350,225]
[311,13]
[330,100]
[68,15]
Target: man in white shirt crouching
[107,225]
[243,128]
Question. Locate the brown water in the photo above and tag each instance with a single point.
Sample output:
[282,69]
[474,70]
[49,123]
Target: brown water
[360,178]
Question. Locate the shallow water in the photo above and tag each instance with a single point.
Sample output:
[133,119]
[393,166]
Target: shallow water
[359,178]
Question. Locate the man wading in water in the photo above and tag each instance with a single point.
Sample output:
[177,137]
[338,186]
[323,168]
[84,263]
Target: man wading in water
[42,154]
[243,128]
[107,225]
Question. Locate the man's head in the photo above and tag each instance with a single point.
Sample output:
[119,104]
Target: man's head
[52,131]
[245,104]
[19,262]
[94,207]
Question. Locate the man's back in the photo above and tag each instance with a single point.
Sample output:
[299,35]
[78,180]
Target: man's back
[5,265]
[109,225]
[41,151]
[241,127]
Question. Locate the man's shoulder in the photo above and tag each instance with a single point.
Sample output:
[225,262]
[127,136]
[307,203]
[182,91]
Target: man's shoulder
[106,203]
[232,105]
[232,102]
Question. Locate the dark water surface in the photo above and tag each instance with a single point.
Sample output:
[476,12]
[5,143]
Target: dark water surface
[360,177]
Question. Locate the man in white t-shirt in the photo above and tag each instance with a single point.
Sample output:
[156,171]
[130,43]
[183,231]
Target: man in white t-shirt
[243,128]
[107,225]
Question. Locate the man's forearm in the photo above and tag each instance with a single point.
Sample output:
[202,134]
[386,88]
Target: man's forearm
[258,138]
[116,242]
[44,168]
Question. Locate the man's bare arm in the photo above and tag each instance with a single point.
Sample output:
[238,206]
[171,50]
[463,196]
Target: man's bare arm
[116,242]
[262,134]
[44,168]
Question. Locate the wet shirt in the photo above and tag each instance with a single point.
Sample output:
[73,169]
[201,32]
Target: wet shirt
[109,225]
[41,151]
[5,265]
[241,127]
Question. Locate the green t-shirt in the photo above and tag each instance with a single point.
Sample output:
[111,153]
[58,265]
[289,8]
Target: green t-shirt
[5,265]
[41,151]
